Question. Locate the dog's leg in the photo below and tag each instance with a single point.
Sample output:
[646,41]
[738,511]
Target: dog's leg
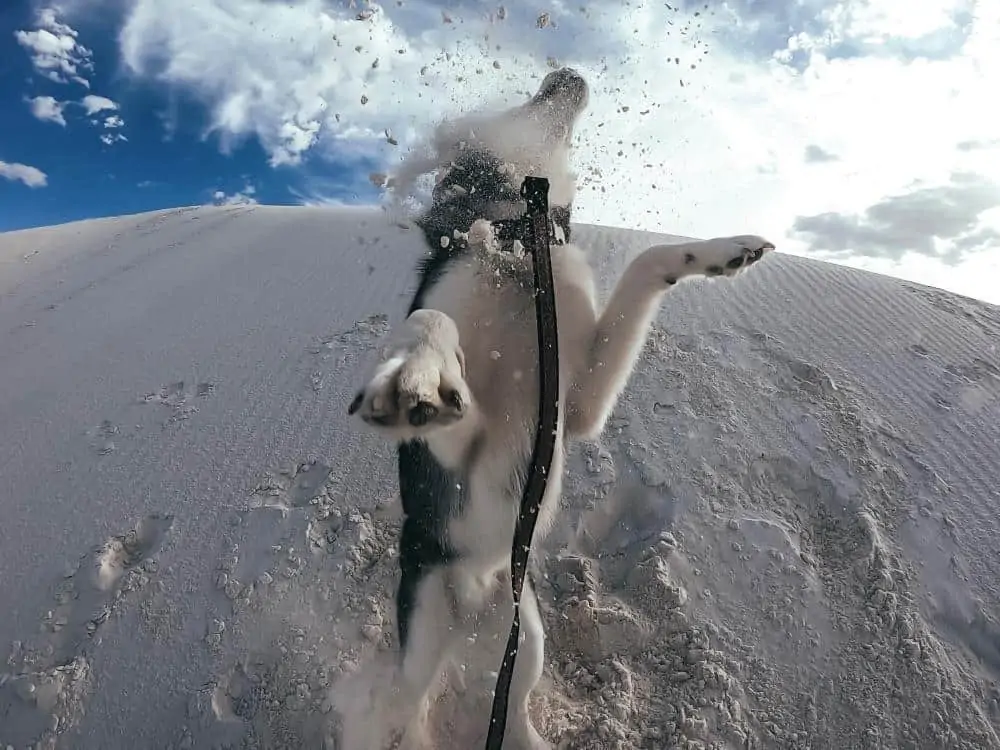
[386,704]
[432,633]
[520,733]
[420,386]
[621,330]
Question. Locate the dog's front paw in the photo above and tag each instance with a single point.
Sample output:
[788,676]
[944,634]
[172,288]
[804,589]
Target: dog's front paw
[421,385]
[727,256]
[722,256]
[414,392]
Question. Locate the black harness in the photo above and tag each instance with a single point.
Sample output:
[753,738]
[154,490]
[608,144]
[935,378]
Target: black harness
[509,231]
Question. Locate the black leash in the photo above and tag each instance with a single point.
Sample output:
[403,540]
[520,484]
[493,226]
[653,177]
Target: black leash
[532,230]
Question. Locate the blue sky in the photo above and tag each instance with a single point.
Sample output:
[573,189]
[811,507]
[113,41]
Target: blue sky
[858,131]
[158,156]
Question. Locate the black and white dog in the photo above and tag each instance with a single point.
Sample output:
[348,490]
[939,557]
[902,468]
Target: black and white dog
[458,392]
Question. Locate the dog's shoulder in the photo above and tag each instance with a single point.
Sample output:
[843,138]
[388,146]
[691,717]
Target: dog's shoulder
[472,186]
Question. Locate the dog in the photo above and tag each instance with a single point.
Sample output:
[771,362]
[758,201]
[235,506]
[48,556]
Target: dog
[457,391]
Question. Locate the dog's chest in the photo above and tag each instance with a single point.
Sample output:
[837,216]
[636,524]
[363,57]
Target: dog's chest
[493,306]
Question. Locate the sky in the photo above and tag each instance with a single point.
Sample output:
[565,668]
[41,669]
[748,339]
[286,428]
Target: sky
[863,132]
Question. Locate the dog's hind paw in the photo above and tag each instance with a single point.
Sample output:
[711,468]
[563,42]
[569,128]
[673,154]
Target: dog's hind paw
[421,384]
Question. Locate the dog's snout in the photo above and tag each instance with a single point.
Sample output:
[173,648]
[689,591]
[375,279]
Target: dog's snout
[565,86]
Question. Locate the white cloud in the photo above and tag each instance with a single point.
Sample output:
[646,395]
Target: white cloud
[54,49]
[47,109]
[243,197]
[57,54]
[94,104]
[741,118]
[314,195]
[948,221]
[311,200]
[30,176]
[250,95]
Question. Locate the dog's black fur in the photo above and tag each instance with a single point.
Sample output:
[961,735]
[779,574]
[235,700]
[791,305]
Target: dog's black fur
[431,495]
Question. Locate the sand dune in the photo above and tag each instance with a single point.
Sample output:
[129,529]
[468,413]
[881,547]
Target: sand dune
[788,536]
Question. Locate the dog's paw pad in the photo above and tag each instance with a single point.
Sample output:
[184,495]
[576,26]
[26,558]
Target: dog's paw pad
[421,414]
[727,256]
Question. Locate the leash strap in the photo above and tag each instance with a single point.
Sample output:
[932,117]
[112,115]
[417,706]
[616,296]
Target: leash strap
[533,229]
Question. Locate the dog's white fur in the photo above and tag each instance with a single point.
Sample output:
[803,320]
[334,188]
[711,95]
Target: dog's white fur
[478,337]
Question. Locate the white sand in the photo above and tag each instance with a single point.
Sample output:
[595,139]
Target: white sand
[787,537]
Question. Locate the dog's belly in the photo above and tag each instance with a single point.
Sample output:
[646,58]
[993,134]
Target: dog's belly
[494,311]
[495,317]
[498,335]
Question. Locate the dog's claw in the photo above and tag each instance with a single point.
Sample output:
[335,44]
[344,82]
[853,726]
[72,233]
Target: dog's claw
[356,403]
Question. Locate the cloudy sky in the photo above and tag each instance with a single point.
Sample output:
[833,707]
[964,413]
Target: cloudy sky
[860,131]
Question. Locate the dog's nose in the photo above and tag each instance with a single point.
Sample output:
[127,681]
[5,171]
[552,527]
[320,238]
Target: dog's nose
[564,86]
